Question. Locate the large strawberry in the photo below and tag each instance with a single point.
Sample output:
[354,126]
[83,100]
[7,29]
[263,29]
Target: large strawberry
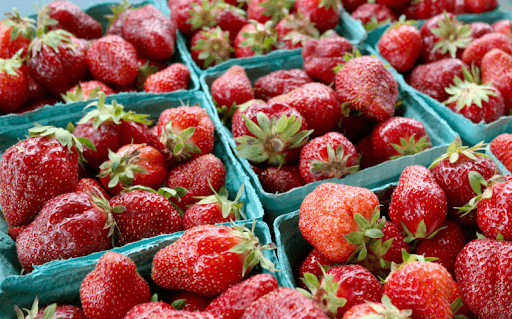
[279,82]
[13,84]
[484,277]
[333,214]
[173,78]
[496,66]
[401,46]
[73,19]
[37,169]
[231,89]
[209,259]
[69,225]
[418,205]
[323,13]
[15,34]
[501,147]
[113,288]
[366,85]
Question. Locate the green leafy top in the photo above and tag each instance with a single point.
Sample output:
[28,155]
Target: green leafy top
[367,232]
[79,94]
[48,312]
[323,293]
[476,180]
[215,47]
[117,10]
[122,168]
[227,205]
[411,146]
[387,310]
[408,258]
[203,15]
[25,26]
[179,145]
[10,66]
[336,165]
[302,29]
[455,149]
[262,39]
[276,9]
[454,35]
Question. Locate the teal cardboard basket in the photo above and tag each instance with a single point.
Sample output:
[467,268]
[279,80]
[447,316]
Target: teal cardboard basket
[471,133]
[292,248]
[276,204]
[60,281]
[236,176]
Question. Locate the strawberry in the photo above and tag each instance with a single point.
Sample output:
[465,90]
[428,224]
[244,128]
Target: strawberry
[479,6]
[191,16]
[323,13]
[425,287]
[15,34]
[150,32]
[87,90]
[230,18]
[73,19]
[418,205]
[198,176]
[284,302]
[280,179]
[13,84]
[351,5]
[399,136]
[496,66]
[255,38]
[87,184]
[451,170]
[117,17]
[331,155]
[210,47]
[294,31]
[334,213]
[500,147]
[483,276]
[503,26]
[230,255]
[425,9]
[384,309]
[189,301]
[173,78]
[266,10]
[321,56]
[232,303]
[476,50]
[15,231]
[317,103]
[214,209]
[401,46]
[366,85]
[478,29]
[143,213]
[372,15]
[37,169]
[271,133]
[231,89]
[315,264]
[158,309]
[401,4]
[55,310]
[432,78]
[113,287]
[76,224]
[113,60]
[279,82]
[365,154]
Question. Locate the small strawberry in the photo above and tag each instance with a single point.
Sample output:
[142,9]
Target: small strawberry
[479,6]
[13,84]
[331,155]
[189,301]
[15,34]
[323,13]
[373,15]
[55,310]
[87,90]
[230,255]
[231,89]
[476,50]
[315,264]
[500,147]
[268,10]
[383,309]
[113,288]
[333,214]
[280,179]
[367,86]
[73,19]
[210,47]
[496,66]
[418,205]
[279,82]
[401,46]
[232,303]
[294,31]
[173,78]
[255,38]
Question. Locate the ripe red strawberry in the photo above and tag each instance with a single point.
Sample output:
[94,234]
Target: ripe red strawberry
[13,84]
[323,13]
[384,308]
[418,205]
[479,28]
[117,17]
[280,179]
[230,18]
[113,288]
[401,4]
[231,89]
[331,155]
[255,38]
[142,213]
[321,56]
[55,310]
[294,31]
[266,10]
[198,176]
[318,105]
[315,264]
[351,5]
[428,8]
[87,90]
[279,82]
[426,288]
[503,26]
[372,15]
[173,78]
[215,268]
[87,184]
[189,301]
[150,32]
[401,46]
[73,19]
[399,136]
[496,66]
[150,309]
[476,50]
[232,303]
[113,60]
[15,34]
[367,86]
[36,170]
[432,78]
[69,225]
[284,302]
[333,211]
[451,170]
[479,6]
[500,146]
[210,47]
[272,133]
[483,276]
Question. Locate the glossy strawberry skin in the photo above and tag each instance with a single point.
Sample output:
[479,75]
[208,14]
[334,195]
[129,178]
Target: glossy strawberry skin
[88,86]
[64,311]
[494,213]
[72,223]
[429,8]
[479,29]
[204,214]
[233,86]
[279,82]
[500,146]
[417,198]
[243,51]
[324,18]
[232,303]
[13,91]
[496,66]
[280,179]
[366,11]
[180,14]
[503,26]
[490,111]
[113,288]
[401,47]
[149,310]
[193,301]
[255,11]
[32,172]
[73,19]
[476,50]
[231,21]
[312,265]
[87,185]
[479,6]
[9,46]
[173,78]
[483,275]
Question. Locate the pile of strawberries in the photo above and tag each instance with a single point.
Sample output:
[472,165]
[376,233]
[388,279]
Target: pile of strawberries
[64,56]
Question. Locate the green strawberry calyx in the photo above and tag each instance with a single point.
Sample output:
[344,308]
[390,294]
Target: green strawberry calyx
[323,293]
[203,15]
[179,144]
[411,146]
[336,165]
[214,47]
[175,192]
[476,180]
[454,35]
[117,10]
[408,258]
[421,232]
[276,9]
[10,66]
[330,4]
[48,311]
[387,310]
[262,39]
[79,94]
[302,29]
[456,149]
[25,26]
[347,56]
[99,200]
[272,138]
[368,231]
[122,168]
[228,207]
[114,112]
